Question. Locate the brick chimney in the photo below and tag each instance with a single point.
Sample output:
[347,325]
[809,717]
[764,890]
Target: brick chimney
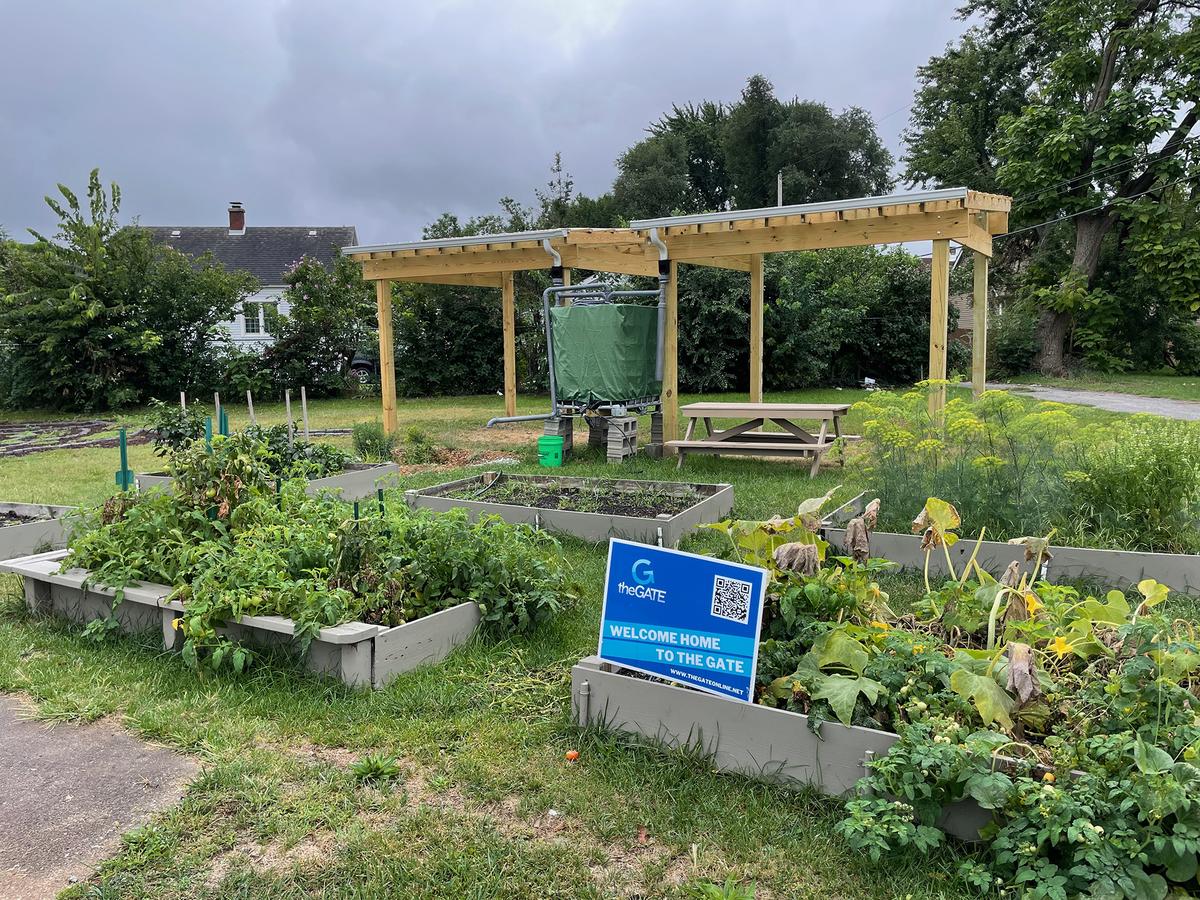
[237,218]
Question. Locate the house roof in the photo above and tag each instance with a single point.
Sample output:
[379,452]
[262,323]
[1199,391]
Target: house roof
[266,252]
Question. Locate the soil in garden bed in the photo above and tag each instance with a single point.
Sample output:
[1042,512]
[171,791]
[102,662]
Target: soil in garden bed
[14,518]
[606,501]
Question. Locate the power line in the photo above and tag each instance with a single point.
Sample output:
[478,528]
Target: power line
[1083,212]
[1126,163]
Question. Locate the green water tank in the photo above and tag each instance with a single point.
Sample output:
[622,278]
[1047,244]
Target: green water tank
[605,352]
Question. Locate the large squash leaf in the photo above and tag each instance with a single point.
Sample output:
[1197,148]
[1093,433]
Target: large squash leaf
[842,692]
[990,700]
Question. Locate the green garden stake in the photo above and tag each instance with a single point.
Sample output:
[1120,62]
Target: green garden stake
[208,423]
[356,512]
[379,497]
[223,422]
[124,474]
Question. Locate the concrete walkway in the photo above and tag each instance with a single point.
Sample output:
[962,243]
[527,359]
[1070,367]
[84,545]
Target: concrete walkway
[68,793]
[1109,400]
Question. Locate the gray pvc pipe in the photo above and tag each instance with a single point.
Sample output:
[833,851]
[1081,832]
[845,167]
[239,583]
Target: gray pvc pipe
[662,304]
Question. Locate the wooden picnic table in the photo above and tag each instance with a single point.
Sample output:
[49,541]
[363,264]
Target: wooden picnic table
[747,439]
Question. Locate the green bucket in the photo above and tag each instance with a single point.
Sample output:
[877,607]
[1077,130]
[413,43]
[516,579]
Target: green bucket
[550,450]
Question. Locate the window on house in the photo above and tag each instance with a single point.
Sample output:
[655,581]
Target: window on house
[252,314]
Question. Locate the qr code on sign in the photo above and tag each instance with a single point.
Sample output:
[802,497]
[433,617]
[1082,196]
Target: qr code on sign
[731,599]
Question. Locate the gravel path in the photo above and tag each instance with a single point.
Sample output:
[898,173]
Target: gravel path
[1110,400]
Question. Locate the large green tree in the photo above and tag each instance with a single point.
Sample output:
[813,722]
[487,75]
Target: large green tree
[709,156]
[100,316]
[1099,146]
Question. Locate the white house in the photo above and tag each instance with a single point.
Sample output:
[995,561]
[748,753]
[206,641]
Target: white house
[266,252]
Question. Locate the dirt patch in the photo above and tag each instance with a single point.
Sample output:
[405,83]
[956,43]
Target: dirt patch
[24,438]
[600,498]
[339,757]
[275,858]
[454,458]
[12,518]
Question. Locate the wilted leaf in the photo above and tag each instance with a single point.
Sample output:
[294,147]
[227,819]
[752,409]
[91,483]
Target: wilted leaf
[1022,677]
[858,540]
[1154,592]
[1034,546]
[803,559]
[1012,575]
[808,512]
[942,515]
[871,514]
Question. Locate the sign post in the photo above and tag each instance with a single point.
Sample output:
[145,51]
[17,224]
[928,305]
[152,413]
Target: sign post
[687,618]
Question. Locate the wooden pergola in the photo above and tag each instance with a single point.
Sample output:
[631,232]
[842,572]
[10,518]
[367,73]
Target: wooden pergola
[737,239]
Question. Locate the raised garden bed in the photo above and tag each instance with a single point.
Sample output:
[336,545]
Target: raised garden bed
[31,527]
[595,509]
[759,741]
[356,482]
[358,653]
[1116,568]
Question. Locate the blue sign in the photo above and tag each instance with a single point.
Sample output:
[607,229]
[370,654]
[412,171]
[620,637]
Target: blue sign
[684,617]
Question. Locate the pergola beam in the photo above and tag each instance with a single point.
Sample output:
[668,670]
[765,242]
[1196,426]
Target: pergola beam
[927,226]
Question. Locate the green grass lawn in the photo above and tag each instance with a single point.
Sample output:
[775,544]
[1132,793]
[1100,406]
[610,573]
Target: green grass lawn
[481,738]
[1173,387]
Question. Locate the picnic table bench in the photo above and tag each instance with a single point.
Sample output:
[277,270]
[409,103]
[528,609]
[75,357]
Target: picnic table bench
[747,439]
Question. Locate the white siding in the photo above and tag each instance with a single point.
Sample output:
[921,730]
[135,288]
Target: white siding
[237,326]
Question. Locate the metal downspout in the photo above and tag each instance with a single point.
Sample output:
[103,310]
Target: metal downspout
[664,268]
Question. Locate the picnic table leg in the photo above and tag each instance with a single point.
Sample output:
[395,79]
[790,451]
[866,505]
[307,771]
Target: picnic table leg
[837,433]
[819,451]
[708,425]
[687,436]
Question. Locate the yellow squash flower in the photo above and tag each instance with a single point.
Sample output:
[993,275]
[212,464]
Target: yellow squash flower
[1061,646]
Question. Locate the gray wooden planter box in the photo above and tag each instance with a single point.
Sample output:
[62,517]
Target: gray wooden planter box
[1116,568]
[48,533]
[759,741]
[358,653]
[716,502]
[356,482]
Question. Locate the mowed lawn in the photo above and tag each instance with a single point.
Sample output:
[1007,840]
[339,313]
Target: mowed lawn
[486,804]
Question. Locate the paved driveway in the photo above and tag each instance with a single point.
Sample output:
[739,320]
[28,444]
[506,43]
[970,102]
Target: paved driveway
[68,793]
[1110,400]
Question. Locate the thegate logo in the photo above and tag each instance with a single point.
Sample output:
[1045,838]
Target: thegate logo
[643,578]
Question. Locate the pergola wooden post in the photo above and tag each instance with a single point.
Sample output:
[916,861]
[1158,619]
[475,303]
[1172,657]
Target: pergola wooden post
[979,331]
[387,362]
[756,328]
[939,314]
[509,315]
[670,383]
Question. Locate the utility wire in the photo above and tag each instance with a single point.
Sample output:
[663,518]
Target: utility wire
[1082,212]
[1126,163]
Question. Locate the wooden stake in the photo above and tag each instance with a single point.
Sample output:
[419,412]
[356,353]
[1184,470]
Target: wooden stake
[509,305]
[217,406]
[250,406]
[939,311]
[756,328]
[183,401]
[670,386]
[287,403]
[979,332]
[387,363]
[304,409]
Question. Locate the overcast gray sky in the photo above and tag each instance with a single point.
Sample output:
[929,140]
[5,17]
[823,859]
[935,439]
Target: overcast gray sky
[383,114]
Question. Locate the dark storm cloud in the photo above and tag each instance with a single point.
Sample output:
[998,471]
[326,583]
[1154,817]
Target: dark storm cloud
[384,114]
